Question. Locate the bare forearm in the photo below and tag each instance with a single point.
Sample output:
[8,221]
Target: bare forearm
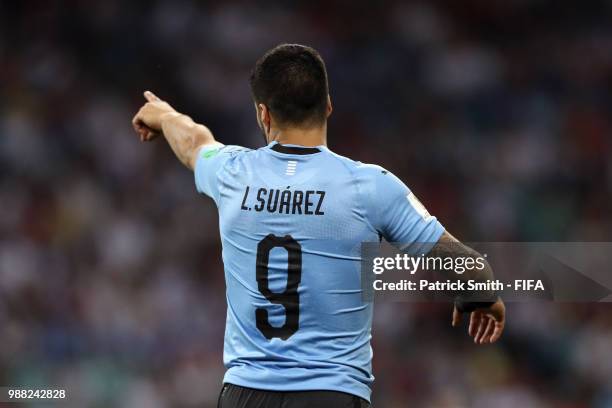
[185,136]
[449,246]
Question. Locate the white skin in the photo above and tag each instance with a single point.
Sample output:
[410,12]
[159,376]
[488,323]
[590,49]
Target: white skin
[186,138]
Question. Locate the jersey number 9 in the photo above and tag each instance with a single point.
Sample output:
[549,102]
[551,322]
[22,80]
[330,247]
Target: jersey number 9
[290,298]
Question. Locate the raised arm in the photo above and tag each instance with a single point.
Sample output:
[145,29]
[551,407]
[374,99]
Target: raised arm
[185,137]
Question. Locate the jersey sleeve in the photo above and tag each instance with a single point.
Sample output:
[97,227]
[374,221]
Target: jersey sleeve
[211,160]
[398,215]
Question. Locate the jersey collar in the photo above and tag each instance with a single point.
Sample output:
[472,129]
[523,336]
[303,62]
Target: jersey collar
[293,149]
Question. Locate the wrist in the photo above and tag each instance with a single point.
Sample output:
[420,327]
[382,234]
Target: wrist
[168,116]
[468,306]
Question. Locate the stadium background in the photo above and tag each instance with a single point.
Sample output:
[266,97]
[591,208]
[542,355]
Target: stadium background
[497,114]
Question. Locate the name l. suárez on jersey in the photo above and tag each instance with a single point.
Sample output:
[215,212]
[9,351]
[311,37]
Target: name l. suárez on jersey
[309,202]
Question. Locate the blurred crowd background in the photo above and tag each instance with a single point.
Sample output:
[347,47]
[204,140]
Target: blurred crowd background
[497,114]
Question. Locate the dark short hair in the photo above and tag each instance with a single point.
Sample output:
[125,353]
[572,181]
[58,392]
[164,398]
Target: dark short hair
[291,80]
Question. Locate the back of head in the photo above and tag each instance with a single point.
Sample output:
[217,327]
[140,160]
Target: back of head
[291,80]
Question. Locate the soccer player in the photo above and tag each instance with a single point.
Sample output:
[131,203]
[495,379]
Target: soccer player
[292,216]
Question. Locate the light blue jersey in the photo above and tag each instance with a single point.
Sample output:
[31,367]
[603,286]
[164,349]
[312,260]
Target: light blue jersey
[292,220]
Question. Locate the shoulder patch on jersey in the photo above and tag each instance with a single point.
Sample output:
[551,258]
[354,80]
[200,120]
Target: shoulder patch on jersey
[418,206]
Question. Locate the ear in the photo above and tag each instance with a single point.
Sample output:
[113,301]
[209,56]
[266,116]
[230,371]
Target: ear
[264,115]
[329,108]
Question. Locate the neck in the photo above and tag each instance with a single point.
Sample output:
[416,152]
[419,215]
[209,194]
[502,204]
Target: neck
[304,137]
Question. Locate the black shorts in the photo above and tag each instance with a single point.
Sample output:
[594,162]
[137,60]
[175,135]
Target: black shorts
[234,396]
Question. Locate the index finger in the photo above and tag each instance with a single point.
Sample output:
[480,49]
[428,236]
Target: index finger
[150,96]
